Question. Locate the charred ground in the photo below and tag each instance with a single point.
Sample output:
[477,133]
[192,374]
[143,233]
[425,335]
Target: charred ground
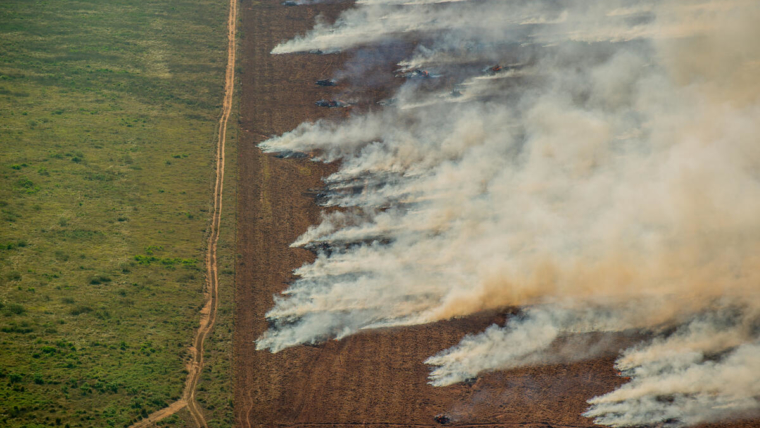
[377,378]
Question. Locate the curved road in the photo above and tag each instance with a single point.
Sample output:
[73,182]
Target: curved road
[208,313]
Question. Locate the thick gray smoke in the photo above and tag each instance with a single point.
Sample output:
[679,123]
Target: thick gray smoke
[606,176]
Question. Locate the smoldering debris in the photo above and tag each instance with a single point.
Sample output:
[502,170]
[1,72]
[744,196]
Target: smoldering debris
[606,179]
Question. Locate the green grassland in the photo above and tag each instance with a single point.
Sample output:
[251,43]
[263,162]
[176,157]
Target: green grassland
[215,388]
[107,123]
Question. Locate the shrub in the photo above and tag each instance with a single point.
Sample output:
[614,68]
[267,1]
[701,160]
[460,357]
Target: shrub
[151,248]
[25,183]
[80,309]
[14,328]
[99,279]
[85,388]
[145,260]
[15,309]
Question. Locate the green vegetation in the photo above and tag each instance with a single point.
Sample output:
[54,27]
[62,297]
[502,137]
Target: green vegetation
[215,388]
[107,127]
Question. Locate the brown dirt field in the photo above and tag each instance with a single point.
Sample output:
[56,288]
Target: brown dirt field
[375,378]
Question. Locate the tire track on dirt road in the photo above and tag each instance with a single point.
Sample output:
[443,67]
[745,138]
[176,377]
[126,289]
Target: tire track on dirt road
[208,313]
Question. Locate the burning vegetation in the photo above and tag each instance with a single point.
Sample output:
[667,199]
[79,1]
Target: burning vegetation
[606,182]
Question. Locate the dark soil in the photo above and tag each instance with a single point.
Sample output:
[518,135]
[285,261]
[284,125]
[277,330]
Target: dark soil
[376,378]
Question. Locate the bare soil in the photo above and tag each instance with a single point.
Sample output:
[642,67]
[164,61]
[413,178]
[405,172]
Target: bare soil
[376,378]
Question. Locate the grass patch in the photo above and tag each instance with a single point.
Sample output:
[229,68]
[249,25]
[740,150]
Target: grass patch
[95,98]
[216,387]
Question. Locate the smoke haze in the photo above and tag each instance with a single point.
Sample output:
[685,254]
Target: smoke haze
[606,178]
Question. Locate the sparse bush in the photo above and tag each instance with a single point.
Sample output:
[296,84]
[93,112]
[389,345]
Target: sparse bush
[151,248]
[80,309]
[16,309]
[21,328]
[25,183]
[13,245]
[188,277]
[99,279]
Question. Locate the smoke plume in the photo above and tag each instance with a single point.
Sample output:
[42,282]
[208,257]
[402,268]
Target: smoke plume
[595,162]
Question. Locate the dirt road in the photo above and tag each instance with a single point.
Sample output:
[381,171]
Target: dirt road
[208,313]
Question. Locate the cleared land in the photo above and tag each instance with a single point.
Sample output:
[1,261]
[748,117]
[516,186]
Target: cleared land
[372,379]
[377,378]
[108,119]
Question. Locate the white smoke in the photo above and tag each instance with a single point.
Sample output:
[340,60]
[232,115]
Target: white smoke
[607,177]
[704,373]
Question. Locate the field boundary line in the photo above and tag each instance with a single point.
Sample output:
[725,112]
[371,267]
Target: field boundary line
[211,293]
